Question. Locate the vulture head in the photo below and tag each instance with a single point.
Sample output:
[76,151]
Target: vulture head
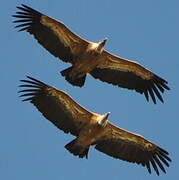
[100,46]
[103,119]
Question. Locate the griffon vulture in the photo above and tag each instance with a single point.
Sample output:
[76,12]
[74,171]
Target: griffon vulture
[88,57]
[92,128]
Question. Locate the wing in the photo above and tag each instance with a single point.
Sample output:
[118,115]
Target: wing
[56,106]
[53,35]
[129,74]
[130,147]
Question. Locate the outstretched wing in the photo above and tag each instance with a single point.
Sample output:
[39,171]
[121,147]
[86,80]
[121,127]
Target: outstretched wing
[57,106]
[131,147]
[131,75]
[53,35]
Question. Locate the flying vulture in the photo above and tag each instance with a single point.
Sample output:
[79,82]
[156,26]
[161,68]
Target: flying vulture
[88,57]
[92,128]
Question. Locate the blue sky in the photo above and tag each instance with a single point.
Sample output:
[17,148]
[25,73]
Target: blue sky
[145,31]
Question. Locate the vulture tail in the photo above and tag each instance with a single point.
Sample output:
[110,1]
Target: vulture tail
[76,149]
[74,81]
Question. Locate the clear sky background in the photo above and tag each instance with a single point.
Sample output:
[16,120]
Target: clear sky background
[145,31]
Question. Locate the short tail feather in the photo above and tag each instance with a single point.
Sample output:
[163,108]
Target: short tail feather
[77,149]
[76,82]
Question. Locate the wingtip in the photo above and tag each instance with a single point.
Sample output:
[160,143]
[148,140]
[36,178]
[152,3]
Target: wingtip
[21,5]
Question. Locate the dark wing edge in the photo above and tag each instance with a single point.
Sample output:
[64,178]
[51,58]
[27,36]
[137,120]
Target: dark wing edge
[30,21]
[153,87]
[37,88]
[130,151]
[37,94]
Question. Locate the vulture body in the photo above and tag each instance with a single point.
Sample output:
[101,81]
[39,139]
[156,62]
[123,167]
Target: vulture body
[92,129]
[88,57]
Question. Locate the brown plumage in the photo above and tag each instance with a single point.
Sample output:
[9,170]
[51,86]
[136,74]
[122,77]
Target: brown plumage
[88,57]
[92,128]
